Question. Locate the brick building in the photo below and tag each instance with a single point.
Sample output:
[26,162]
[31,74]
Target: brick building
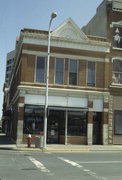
[108,20]
[84,84]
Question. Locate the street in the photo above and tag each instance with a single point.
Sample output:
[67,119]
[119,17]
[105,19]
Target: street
[15,165]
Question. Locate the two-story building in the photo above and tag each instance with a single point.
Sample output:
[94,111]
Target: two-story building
[79,80]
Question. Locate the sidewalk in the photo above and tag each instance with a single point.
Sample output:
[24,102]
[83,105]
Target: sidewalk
[6,143]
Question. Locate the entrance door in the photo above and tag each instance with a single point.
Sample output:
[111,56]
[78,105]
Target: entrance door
[97,128]
[53,130]
[55,126]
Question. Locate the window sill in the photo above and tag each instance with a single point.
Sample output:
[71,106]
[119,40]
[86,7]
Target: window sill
[116,85]
[116,48]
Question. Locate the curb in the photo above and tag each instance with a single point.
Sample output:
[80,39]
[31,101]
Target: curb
[53,150]
[66,150]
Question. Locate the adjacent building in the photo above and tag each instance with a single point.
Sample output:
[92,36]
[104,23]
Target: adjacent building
[9,67]
[85,81]
[108,21]
[9,64]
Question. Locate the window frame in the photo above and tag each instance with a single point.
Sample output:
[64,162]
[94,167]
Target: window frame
[44,69]
[115,112]
[115,26]
[58,71]
[88,75]
[116,72]
[70,72]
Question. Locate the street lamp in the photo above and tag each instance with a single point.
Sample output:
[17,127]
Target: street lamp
[53,15]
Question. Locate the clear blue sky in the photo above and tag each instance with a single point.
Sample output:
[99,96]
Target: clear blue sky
[18,14]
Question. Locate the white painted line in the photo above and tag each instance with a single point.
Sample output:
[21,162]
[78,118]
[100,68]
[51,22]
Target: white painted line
[39,165]
[89,172]
[99,162]
[71,162]
[86,170]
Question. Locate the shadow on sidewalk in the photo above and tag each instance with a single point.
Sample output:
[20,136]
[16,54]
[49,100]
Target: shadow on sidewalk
[6,142]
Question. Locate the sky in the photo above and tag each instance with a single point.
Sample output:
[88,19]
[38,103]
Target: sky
[18,14]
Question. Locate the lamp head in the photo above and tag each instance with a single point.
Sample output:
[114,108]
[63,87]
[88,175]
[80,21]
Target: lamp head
[53,15]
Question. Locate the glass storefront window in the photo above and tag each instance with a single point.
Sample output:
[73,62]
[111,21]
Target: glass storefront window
[34,119]
[77,125]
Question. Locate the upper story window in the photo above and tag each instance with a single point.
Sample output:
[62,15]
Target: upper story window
[73,72]
[8,68]
[117,71]
[59,71]
[91,74]
[117,37]
[40,69]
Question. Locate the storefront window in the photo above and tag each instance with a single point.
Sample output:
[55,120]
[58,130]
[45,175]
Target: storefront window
[77,125]
[34,120]
[118,122]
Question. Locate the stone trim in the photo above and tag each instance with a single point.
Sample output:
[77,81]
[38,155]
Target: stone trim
[90,104]
[110,121]
[38,53]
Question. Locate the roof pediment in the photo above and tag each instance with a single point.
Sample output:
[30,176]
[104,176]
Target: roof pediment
[69,30]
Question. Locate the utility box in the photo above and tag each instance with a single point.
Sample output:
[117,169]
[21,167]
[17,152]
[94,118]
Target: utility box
[39,141]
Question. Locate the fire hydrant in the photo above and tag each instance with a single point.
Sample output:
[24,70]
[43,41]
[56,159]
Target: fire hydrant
[29,140]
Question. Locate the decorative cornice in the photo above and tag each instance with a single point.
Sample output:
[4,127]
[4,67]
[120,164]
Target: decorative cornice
[75,92]
[119,23]
[90,45]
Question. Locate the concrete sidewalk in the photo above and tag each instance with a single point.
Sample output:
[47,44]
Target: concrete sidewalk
[6,143]
[71,148]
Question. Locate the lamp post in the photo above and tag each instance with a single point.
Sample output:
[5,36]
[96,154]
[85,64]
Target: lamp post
[53,15]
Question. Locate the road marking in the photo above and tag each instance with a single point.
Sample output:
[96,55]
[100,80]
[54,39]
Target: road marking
[39,165]
[99,162]
[71,162]
[89,172]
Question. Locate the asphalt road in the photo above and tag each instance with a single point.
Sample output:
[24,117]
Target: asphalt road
[16,165]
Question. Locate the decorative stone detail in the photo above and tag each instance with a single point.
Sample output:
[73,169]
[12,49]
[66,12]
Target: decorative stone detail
[90,104]
[105,134]
[90,134]
[19,132]
[110,120]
